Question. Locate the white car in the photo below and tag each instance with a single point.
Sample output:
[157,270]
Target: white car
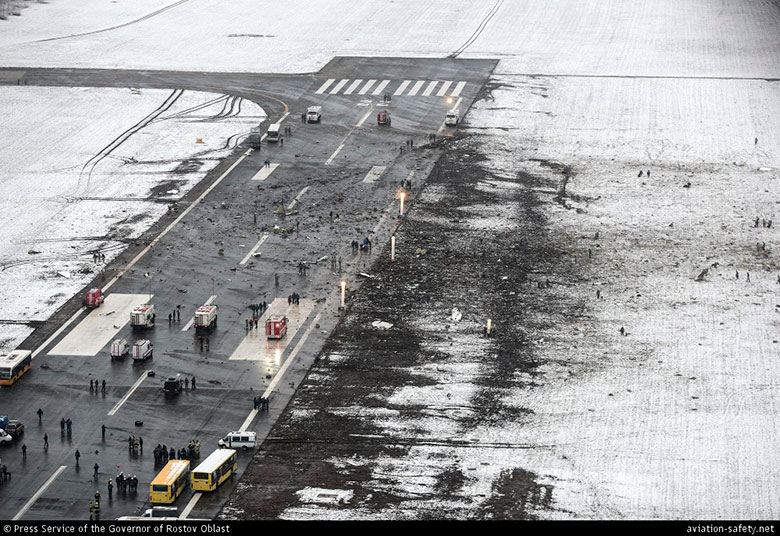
[4,437]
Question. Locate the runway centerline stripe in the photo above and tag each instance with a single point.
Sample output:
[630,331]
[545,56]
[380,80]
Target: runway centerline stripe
[338,86]
[352,87]
[366,87]
[326,85]
[38,493]
[340,147]
[190,505]
[402,87]
[283,369]
[443,89]
[458,88]
[297,198]
[264,172]
[188,325]
[415,88]
[135,386]
[430,88]
[252,251]
[382,85]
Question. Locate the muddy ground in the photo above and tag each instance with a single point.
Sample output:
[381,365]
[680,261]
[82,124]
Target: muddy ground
[347,436]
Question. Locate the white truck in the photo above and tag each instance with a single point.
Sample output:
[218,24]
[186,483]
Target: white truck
[206,318]
[119,348]
[255,137]
[142,350]
[452,118]
[273,133]
[142,317]
[314,114]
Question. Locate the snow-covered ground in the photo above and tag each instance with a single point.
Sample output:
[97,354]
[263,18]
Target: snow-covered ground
[597,37]
[62,203]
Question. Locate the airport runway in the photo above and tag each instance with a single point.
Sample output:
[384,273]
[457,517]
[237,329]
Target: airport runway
[227,243]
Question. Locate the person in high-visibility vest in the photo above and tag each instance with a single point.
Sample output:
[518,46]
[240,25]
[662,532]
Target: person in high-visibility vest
[91,512]
[97,511]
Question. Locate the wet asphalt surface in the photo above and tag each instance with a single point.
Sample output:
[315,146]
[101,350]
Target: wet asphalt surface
[200,257]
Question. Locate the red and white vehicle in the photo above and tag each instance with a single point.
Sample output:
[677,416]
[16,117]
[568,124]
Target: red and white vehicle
[206,318]
[276,327]
[93,298]
[383,118]
[119,348]
[142,349]
[142,317]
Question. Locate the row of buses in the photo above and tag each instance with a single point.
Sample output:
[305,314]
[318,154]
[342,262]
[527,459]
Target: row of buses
[213,471]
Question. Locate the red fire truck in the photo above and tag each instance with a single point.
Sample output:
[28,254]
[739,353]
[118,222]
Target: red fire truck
[93,298]
[383,118]
[276,327]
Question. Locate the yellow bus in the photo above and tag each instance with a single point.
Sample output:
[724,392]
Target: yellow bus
[13,365]
[214,470]
[170,482]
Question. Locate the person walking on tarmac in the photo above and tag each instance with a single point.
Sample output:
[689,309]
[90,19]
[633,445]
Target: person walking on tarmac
[40,415]
[91,511]
[45,441]
[96,467]
[77,455]
[97,509]
[193,383]
[62,425]
[110,489]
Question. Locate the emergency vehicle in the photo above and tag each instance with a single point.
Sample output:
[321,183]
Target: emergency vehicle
[314,114]
[383,118]
[206,318]
[93,298]
[276,327]
[119,348]
[452,118]
[142,350]
[142,317]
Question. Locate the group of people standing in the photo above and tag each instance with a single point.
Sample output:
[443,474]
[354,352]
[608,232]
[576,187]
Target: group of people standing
[261,403]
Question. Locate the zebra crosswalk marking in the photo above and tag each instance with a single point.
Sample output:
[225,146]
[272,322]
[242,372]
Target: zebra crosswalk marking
[402,87]
[338,86]
[458,89]
[326,85]
[443,89]
[380,87]
[430,88]
[415,88]
[366,87]
[353,87]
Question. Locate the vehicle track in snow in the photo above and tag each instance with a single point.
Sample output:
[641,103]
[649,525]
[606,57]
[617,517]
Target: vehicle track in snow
[482,25]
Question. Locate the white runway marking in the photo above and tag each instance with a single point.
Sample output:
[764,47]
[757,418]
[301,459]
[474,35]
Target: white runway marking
[100,325]
[337,151]
[415,88]
[264,172]
[253,250]
[326,85]
[352,87]
[338,86]
[297,198]
[57,333]
[255,346]
[340,147]
[380,87]
[135,386]
[188,325]
[38,493]
[190,505]
[366,87]
[458,89]
[402,87]
[280,374]
[443,89]
[429,89]
[373,175]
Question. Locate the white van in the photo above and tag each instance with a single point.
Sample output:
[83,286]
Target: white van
[239,440]
[142,349]
[273,132]
[452,118]
[119,348]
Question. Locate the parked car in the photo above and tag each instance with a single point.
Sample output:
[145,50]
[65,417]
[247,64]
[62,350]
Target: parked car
[14,428]
[4,437]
